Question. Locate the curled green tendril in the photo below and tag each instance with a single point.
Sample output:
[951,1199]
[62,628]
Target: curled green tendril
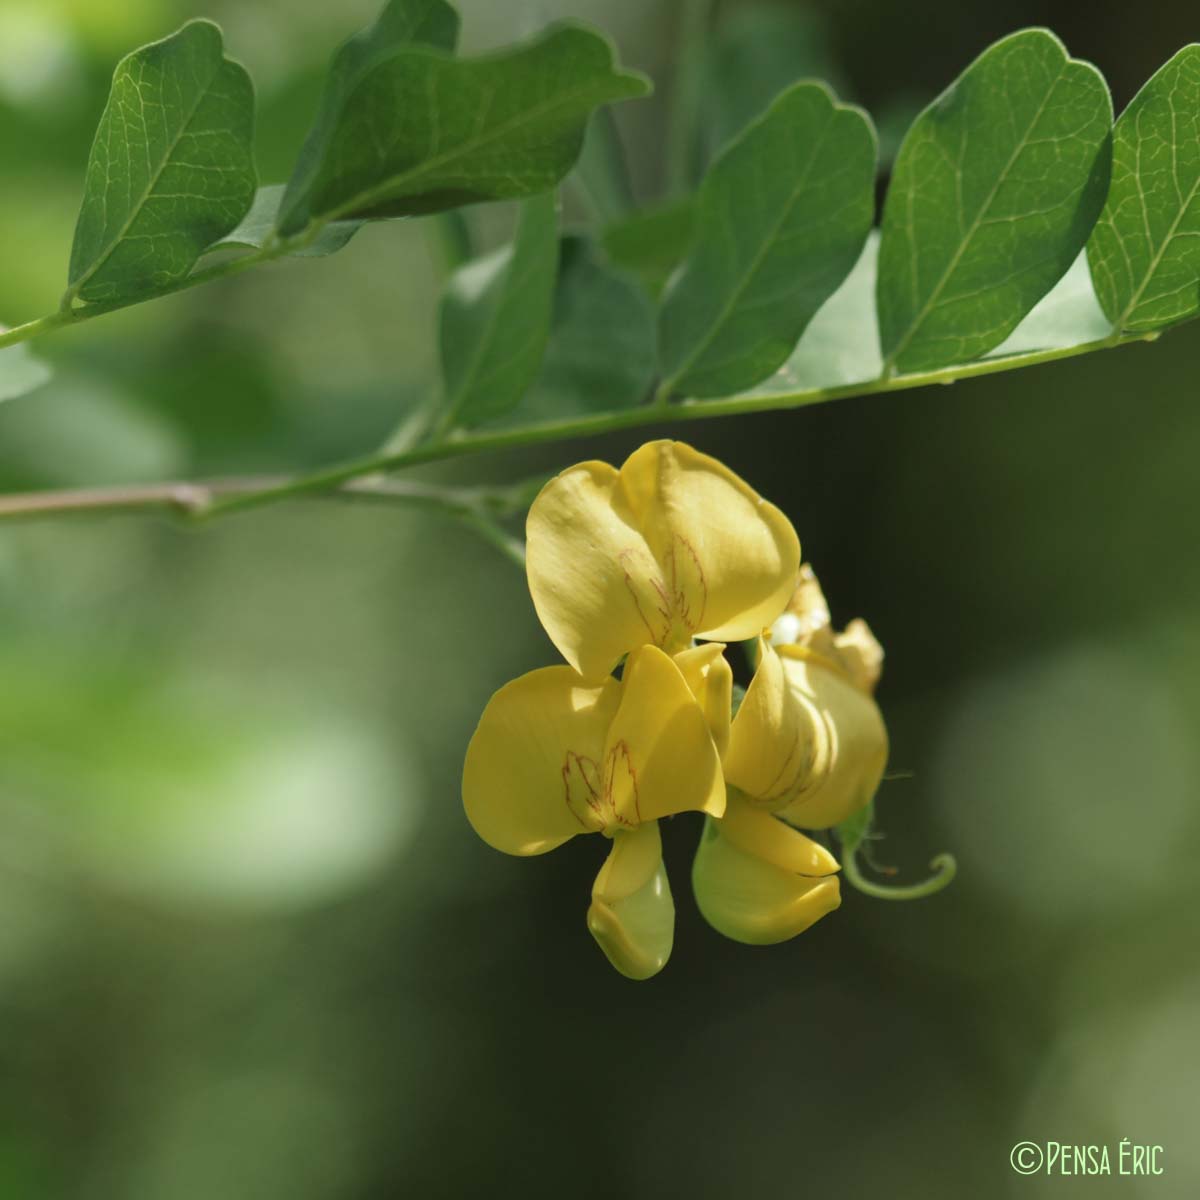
[944,868]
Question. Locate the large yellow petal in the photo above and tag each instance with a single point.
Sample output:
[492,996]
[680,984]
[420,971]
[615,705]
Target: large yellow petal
[674,545]
[752,900]
[659,756]
[704,523]
[710,679]
[848,777]
[590,571]
[632,914]
[777,740]
[533,771]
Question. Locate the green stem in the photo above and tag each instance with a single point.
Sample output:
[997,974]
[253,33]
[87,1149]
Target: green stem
[688,410]
[223,500]
[32,329]
[944,869]
[75,315]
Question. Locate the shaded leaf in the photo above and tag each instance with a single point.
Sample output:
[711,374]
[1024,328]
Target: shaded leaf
[994,192]
[421,131]
[20,372]
[653,242]
[601,176]
[601,353]
[783,215]
[495,319]
[259,223]
[171,169]
[1145,250]
[402,23]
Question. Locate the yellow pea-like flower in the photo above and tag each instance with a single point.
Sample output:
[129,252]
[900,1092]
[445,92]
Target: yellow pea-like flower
[807,748]
[629,564]
[809,742]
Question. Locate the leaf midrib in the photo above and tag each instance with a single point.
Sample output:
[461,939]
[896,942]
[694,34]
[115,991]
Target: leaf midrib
[135,212]
[380,191]
[758,258]
[1156,260]
[952,266]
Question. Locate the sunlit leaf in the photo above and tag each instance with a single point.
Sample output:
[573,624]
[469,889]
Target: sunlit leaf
[601,353]
[841,346]
[432,23]
[495,319]
[783,216]
[994,192]
[653,242]
[1145,250]
[259,223]
[421,131]
[171,169]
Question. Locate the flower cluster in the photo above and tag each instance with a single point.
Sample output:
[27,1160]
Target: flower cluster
[657,567]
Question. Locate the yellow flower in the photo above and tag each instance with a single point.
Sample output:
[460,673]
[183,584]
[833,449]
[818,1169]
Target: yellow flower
[808,747]
[629,564]
[809,742]
[671,547]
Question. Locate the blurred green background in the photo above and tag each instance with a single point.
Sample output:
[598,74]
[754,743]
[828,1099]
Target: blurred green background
[249,947]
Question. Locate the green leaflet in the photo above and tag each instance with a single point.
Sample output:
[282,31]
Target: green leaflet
[783,216]
[171,169]
[402,23]
[601,176]
[495,319]
[20,372]
[601,353]
[259,223]
[994,192]
[1145,251]
[653,242]
[420,131]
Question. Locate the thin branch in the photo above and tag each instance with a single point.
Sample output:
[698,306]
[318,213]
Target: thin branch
[361,478]
[77,314]
[476,508]
[462,445]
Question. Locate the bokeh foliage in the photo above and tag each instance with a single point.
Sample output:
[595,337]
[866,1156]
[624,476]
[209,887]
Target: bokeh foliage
[249,946]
